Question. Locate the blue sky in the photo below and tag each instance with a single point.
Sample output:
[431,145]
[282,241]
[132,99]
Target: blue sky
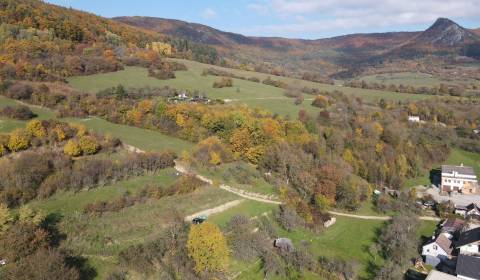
[309,19]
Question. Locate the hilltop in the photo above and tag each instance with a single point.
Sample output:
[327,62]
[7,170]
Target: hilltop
[326,56]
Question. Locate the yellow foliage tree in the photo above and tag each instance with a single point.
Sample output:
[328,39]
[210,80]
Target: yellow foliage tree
[215,159]
[89,145]
[60,133]
[3,150]
[160,48]
[208,248]
[19,140]
[27,214]
[6,217]
[36,129]
[72,148]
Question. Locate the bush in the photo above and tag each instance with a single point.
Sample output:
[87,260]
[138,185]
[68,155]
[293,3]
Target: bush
[19,140]
[72,148]
[224,82]
[89,145]
[22,113]
[321,102]
[289,219]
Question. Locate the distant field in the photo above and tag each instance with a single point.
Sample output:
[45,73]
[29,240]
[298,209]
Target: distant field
[456,157]
[415,79]
[256,95]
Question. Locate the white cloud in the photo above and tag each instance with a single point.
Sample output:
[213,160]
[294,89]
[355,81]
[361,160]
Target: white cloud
[209,13]
[325,15]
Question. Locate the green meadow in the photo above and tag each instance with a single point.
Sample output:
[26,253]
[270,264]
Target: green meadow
[256,95]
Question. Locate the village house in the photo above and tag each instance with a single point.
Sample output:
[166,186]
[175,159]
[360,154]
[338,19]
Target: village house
[438,250]
[451,226]
[458,179]
[469,242]
[471,211]
[468,267]
[414,119]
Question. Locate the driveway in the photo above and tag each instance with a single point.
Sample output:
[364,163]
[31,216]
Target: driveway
[458,199]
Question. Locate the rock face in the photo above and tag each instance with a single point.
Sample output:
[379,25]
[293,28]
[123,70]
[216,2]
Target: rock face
[445,33]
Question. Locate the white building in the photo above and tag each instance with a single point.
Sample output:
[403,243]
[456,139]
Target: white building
[414,119]
[469,242]
[438,250]
[471,211]
[461,179]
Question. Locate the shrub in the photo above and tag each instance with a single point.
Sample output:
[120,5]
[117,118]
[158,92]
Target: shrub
[19,140]
[321,101]
[19,113]
[224,82]
[89,145]
[72,148]
[208,248]
[36,129]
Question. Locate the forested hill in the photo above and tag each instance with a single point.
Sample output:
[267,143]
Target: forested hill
[444,39]
[40,41]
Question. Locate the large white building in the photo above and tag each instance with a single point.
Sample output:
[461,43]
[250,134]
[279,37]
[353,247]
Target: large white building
[461,179]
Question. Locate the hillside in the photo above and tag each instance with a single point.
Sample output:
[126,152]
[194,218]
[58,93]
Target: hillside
[326,56]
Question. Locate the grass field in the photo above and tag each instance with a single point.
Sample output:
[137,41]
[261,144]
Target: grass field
[415,79]
[7,125]
[148,140]
[456,157]
[256,95]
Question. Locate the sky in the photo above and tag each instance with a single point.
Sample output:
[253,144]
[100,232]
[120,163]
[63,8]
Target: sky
[307,19]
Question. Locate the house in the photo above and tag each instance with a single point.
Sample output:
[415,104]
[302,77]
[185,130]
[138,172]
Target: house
[468,267]
[452,225]
[438,250]
[437,275]
[471,211]
[459,179]
[469,242]
[414,119]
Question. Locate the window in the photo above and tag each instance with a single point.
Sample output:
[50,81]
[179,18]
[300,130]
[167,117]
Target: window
[434,247]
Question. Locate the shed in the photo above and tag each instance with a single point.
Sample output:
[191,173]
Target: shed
[284,244]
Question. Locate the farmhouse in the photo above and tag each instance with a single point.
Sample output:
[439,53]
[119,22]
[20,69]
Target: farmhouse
[469,242]
[471,211]
[440,249]
[458,179]
[468,267]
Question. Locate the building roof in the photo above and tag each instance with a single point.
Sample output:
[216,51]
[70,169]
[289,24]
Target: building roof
[468,266]
[463,170]
[468,237]
[454,223]
[437,275]
[444,243]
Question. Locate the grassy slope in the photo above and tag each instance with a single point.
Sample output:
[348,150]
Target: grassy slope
[253,94]
[144,139]
[456,157]
[415,79]
[7,125]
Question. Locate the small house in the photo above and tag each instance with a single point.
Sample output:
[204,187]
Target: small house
[452,226]
[468,267]
[438,250]
[471,211]
[468,242]
[413,119]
